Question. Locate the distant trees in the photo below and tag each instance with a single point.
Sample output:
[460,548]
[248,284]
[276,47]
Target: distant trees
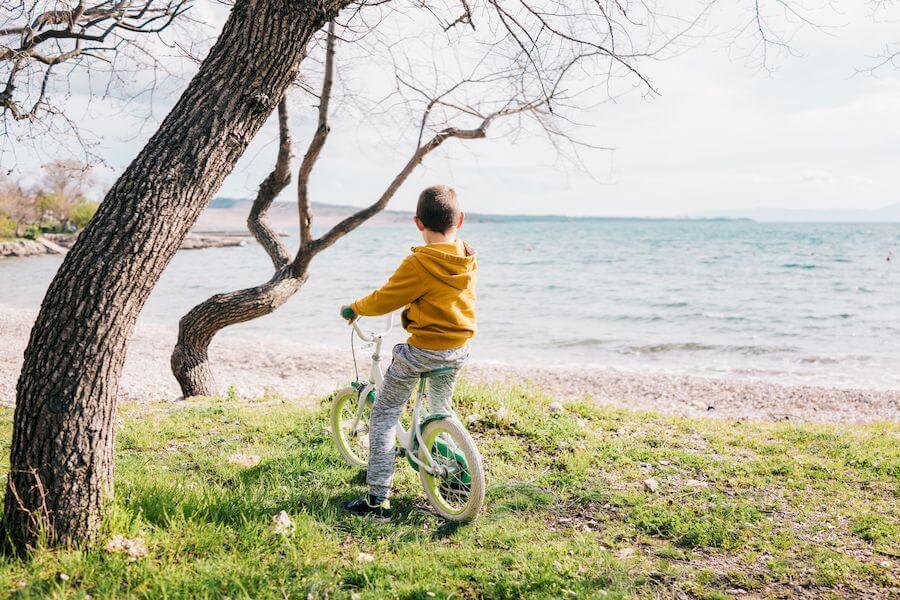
[18,208]
[63,196]
[58,201]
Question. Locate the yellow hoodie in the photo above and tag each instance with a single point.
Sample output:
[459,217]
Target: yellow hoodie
[436,283]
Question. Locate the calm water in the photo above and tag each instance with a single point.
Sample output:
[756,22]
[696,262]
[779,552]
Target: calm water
[813,303]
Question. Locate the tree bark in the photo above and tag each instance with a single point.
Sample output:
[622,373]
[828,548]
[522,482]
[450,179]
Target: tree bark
[61,460]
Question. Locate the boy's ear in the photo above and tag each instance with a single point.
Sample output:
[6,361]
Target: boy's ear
[419,223]
[462,217]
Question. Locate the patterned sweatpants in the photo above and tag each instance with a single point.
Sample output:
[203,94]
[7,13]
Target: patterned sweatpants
[401,379]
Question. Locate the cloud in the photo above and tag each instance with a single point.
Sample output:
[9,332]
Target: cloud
[818,176]
[858,180]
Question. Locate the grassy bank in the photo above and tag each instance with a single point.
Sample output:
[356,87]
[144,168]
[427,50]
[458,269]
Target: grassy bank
[588,502]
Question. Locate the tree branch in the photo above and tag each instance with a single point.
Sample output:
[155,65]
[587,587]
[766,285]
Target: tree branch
[271,186]
[317,142]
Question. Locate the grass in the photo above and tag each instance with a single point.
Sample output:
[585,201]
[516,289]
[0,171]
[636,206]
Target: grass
[589,502]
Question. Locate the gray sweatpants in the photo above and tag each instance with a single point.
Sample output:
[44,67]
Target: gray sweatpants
[399,381]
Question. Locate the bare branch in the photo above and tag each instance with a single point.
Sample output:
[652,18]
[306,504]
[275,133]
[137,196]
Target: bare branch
[317,142]
[355,220]
[271,186]
[48,33]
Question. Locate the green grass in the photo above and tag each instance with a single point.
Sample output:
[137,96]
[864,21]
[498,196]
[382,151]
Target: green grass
[773,509]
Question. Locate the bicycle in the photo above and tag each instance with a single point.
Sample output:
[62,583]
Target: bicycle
[436,445]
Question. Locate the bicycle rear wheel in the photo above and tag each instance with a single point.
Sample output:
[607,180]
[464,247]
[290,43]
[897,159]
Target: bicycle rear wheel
[458,495]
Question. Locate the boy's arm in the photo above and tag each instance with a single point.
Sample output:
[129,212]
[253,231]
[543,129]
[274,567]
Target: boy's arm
[404,286]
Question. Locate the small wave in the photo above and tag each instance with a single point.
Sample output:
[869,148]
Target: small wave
[671,347]
[671,305]
[698,347]
[799,266]
[580,343]
[819,360]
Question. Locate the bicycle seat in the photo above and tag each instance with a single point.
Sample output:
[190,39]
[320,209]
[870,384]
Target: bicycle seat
[436,372]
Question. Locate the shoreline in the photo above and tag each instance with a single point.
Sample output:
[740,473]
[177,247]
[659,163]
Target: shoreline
[296,370]
[61,243]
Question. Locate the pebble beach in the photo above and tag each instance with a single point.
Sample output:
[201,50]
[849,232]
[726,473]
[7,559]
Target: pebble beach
[302,371]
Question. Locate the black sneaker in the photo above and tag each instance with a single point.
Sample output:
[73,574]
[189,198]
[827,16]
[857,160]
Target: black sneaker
[369,506]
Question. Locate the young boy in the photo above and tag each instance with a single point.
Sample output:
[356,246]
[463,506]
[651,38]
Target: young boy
[436,284]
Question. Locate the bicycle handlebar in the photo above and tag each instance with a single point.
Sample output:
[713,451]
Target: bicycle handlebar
[373,336]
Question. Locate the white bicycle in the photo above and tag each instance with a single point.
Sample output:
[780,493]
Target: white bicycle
[436,445]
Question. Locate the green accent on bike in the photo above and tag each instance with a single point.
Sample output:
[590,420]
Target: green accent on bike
[348,313]
[437,372]
[359,385]
[443,449]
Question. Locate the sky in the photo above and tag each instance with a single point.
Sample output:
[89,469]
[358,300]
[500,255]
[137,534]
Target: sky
[723,134]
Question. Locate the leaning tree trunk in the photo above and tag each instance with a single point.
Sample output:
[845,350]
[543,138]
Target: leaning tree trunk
[61,460]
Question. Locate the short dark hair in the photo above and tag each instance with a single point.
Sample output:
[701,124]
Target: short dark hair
[437,208]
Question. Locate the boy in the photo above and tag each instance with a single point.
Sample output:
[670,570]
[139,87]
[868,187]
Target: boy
[436,284]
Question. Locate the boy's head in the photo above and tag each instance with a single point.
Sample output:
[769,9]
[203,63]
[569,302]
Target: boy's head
[437,210]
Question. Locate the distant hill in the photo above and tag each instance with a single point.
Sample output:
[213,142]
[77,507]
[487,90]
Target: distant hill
[887,214]
[230,214]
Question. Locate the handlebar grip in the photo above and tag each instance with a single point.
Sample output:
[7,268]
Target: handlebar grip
[348,313]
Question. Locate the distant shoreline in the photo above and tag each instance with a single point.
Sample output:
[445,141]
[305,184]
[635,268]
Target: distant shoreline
[887,215]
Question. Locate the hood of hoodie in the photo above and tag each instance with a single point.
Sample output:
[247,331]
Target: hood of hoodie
[452,263]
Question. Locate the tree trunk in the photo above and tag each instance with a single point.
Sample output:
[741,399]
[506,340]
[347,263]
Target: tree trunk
[190,363]
[61,460]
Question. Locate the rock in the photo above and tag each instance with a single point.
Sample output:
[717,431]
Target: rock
[555,407]
[501,413]
[625,552]
[244,460]
[651,485]
[22,247]
[473,418]
[132,548]
[695,483]
[364,557]
[195,241]
[282,524]
[62,577]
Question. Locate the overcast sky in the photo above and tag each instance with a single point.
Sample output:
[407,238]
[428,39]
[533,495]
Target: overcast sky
[722,135]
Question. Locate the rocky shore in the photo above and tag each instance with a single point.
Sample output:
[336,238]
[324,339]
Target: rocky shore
[60,243]
[299,371]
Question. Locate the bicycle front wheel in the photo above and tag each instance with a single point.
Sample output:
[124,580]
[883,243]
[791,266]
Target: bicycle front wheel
[352,441]
[458,495]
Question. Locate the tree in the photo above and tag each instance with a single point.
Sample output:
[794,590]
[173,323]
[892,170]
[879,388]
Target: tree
[61,459]
[19,204]
[190,360]
[83,213]
[64,187]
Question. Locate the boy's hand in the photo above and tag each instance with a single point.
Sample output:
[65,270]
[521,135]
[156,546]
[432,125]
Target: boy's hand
[348,313]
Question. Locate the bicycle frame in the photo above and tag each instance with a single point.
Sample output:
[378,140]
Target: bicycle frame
[376,380]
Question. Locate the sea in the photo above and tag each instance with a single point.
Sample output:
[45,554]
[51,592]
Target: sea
[814,304]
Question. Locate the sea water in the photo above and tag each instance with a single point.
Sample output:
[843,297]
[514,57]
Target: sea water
[795,303]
